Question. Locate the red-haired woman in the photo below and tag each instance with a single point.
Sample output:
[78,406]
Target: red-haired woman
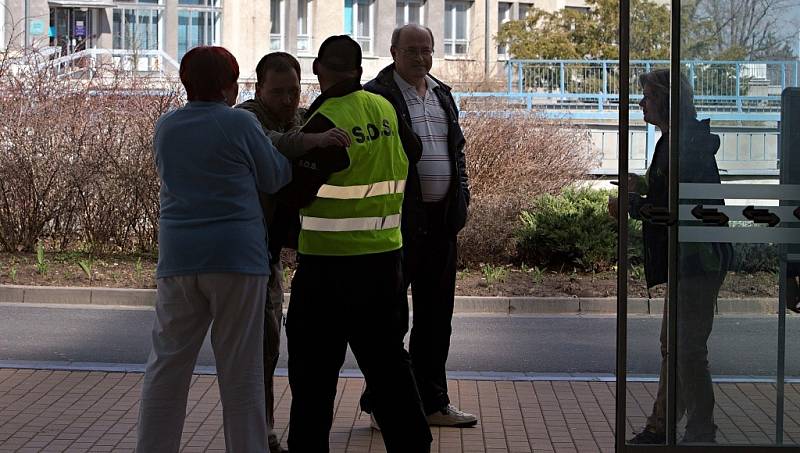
[212,266]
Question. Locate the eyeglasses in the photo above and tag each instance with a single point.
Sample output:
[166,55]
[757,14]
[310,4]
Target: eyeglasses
[414,51]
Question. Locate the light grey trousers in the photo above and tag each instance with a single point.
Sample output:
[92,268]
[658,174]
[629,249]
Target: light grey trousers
[185,307]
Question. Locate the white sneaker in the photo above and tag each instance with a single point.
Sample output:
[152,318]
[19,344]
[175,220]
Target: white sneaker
[373,423]
[452,416]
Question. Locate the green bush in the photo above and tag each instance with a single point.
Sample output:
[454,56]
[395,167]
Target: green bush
[573,229]
[751,258]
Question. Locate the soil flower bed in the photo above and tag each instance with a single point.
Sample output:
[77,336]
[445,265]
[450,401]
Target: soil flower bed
[127,271]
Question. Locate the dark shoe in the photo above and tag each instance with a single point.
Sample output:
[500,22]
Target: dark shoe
[710,439]
[705,438]
[647,437]
[702,434]
[277,449]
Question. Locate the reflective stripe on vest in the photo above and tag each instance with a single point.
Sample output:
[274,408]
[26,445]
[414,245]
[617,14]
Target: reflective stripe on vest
[354,224]
[362,191]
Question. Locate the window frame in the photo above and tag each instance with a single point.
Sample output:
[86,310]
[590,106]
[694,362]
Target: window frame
[214,4]
[213,23]
[451,13]
[502,50]
[309,35]
[407,5]
[279,37]
[528,6]
[153,9]
[356,5]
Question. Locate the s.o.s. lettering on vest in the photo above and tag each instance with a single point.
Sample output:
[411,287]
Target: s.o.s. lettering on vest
[371,132]
[307,164]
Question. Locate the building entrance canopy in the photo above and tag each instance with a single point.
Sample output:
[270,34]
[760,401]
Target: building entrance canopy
[81,3]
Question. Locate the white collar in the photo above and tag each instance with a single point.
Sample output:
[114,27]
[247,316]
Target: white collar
[403,85]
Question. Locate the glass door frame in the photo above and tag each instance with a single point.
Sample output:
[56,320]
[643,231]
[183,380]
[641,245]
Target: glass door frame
[671,444]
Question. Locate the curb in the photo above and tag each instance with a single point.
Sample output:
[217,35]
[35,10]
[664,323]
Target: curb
[210,370]
[19,294]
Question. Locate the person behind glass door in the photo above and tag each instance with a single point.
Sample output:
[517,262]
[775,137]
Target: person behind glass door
[701,266]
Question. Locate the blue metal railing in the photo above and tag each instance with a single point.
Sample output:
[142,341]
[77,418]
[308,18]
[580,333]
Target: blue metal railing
[720,85]
[742,98]
[708,77]
[600,102]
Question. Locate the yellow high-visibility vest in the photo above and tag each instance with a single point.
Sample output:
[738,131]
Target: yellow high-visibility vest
[357,212]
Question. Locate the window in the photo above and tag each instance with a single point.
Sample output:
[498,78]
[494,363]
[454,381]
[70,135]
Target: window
[304,26]
[456,27]
[506,13]
[199,23]
[524,10]
[580,9]
[137,27]
[277,18]
[359,17]
[410,12]
[503,16]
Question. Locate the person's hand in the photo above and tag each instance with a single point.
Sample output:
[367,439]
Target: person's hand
[613,211]
[331,137]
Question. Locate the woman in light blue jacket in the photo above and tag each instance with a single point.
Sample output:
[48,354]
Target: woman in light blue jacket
[213,264]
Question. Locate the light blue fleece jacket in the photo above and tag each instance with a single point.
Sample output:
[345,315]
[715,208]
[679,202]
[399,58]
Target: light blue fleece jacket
[213,160]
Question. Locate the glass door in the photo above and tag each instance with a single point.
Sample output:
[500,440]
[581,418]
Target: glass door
[719,209]
[71,29]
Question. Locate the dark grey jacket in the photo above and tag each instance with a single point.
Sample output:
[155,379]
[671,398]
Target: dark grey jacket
[697,149]
[458,199]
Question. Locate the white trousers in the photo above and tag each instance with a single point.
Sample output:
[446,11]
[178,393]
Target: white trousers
[185,307]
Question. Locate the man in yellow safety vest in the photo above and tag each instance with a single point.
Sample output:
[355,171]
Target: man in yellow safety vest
[349,269]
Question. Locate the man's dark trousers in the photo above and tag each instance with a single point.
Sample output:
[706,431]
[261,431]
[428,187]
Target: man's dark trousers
[341,300]
[273,316]
[429,267]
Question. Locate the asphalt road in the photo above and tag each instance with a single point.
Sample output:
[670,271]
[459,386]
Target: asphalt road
[538,344]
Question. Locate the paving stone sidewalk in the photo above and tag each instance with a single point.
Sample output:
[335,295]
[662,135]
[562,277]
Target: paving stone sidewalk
[77,411]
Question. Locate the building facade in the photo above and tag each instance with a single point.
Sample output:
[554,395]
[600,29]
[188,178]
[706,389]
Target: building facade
[465,49]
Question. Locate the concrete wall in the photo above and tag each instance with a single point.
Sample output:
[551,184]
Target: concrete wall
[3,25]
[245,32]
[742,150]
[103,25]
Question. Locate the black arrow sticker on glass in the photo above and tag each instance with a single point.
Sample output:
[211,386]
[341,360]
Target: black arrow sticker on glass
[710,216]
[761,216]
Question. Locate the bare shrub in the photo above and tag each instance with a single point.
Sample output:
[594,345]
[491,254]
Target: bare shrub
[511,159]
[76,164]
[76,161]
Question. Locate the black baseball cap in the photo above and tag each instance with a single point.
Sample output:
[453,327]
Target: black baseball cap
[340,53]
